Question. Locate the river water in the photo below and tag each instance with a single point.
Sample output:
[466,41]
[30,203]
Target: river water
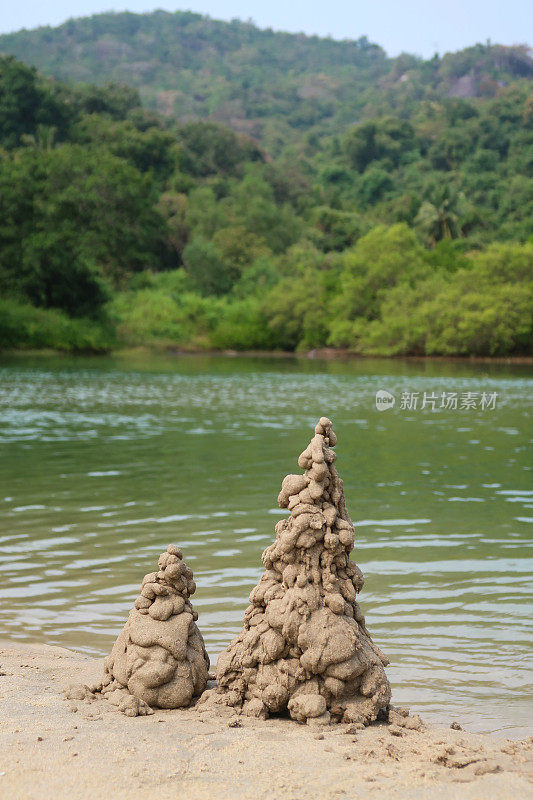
[105,461]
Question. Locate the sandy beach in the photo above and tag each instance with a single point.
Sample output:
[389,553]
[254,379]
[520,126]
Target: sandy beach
[51,747]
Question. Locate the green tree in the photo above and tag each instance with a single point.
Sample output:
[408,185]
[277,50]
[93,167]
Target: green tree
[149,150]
[337,229]
[450,149]
[380,260]
[251,203]
[26,103]
[70,218]
[210,149]
[173,209]
[373,185]
[208,271]
[441,219]
[115,100]
[387,139]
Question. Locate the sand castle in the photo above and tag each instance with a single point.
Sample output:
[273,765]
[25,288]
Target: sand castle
[304,646]
[159,659]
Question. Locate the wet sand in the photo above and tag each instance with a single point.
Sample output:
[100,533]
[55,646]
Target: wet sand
[53,748]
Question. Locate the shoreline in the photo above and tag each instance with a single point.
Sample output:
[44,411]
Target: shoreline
[54,748]
[321,354]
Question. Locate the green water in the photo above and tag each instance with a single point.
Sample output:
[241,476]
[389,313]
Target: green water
[105,461]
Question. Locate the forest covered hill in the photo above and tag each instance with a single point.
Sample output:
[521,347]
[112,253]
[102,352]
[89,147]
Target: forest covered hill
[271,85]
[395,218]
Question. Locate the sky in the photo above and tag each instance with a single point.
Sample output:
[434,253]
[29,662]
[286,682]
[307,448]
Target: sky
[422,27]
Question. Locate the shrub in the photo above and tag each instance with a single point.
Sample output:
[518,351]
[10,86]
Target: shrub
[25,327]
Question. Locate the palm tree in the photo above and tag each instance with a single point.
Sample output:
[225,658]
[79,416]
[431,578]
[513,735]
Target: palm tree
[440,219]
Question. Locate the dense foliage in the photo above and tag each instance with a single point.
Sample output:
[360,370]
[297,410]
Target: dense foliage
[273,86]
[408,232]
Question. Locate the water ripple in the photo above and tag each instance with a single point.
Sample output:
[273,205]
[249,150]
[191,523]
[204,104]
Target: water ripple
[104,464]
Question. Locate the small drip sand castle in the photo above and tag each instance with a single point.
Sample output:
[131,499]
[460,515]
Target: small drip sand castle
[304,646]
[159,659]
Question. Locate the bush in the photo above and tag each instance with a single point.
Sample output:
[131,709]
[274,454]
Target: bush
[25,327]
[153,315]
[485,310]
[242,326]
[381,259]
[493,322]
[296,311]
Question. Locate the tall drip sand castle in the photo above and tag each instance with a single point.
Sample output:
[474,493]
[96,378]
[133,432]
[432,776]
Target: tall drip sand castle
[304,645]
[159,658]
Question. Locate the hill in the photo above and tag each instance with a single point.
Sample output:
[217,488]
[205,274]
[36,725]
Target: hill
[271,85]
[395,218]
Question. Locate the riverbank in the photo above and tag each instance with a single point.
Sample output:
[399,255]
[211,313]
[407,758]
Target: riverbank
[51,747]
[322,354]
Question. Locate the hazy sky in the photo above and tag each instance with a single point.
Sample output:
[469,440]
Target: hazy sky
[415,26]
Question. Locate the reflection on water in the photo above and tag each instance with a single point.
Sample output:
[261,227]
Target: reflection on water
[106,461]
